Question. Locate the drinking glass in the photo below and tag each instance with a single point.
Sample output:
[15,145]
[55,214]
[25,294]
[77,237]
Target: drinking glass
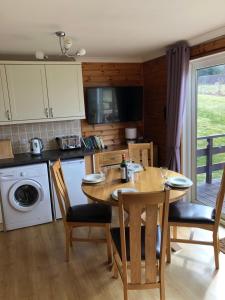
[131,176]
[164,171]
[104,171]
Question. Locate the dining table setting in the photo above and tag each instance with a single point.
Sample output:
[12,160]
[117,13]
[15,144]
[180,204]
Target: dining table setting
[104,186]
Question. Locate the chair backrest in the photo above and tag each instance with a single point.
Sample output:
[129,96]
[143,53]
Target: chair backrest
[60,188]
[108,159]
[219,200]
[141,153]
[135,204]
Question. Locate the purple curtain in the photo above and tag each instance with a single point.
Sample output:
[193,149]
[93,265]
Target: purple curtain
[178,56]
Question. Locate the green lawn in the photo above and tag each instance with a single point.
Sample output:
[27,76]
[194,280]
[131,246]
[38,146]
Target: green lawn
[210,121]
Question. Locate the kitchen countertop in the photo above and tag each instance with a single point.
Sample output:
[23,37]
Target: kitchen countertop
[46,156]
[51,155]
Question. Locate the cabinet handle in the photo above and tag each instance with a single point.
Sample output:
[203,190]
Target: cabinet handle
[51,112]
[8,114]
[46,112]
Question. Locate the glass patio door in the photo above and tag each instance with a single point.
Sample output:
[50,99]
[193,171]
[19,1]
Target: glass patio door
[204,133]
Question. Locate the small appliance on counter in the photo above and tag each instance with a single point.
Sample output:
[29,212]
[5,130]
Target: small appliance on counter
[68,142]
[36,146]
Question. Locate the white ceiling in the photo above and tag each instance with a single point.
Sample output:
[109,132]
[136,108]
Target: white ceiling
[117,29]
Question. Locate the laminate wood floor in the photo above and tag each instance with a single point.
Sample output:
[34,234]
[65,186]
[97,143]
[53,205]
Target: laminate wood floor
[32,267]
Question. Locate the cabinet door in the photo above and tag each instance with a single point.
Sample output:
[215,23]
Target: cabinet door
[4,97]
[27,91]
[65,91]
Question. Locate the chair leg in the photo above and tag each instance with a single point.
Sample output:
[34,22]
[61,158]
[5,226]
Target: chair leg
[162,290]
[68,230]
[108,242]
[115,270]
[71,237]
[216,249]
[125,293]
[168,248]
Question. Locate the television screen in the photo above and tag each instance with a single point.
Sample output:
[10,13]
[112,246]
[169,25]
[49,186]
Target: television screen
[114,104]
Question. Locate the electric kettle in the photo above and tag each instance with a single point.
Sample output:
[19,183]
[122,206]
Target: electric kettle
[36,146]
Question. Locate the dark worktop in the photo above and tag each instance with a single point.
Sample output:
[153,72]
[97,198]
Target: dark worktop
[46,156]
[51,155]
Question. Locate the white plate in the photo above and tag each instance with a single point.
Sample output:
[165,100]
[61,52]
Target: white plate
[94,178]
[134,167]
[179,182]
[123,190]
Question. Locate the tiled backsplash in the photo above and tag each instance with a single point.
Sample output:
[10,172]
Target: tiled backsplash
[20,134]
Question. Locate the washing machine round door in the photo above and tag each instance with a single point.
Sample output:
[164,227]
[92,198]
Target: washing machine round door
[24,195]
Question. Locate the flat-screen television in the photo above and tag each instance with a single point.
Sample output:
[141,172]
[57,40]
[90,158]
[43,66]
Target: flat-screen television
[114,104]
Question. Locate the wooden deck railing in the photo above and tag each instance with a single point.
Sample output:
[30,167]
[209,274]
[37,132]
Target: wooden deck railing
[209,151]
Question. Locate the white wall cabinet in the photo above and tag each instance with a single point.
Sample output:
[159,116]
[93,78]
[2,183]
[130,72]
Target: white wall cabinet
[27,92]
[65,90]
[40,91]
[5,111]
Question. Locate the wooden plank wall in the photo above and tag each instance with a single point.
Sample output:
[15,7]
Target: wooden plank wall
[152,75]
[155,89]
[112,134]
[155,104]
[207,48]
[111,74]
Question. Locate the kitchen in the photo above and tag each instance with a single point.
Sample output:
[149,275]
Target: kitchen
[86,96]
[44,122]
[16,78]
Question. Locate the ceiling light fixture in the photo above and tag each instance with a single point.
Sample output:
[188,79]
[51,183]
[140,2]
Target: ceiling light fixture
[65,43]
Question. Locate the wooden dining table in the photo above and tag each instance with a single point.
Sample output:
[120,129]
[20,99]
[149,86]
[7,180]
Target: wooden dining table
[148,180]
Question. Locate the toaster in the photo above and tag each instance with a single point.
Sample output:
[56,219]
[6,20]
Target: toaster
[68,142]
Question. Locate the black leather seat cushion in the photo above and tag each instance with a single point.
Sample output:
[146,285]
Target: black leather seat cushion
[91,212]
[115,233]
[191,213]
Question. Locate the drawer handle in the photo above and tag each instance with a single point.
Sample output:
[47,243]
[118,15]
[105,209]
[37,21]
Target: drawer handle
[51,112]
[46,112]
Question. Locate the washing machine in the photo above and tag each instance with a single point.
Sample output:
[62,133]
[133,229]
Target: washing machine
[25,196]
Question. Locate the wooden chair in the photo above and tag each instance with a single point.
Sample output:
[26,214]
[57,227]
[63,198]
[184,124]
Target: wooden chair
[141,153]
[84,215]
[108,159]
[139,244]
[186,214]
